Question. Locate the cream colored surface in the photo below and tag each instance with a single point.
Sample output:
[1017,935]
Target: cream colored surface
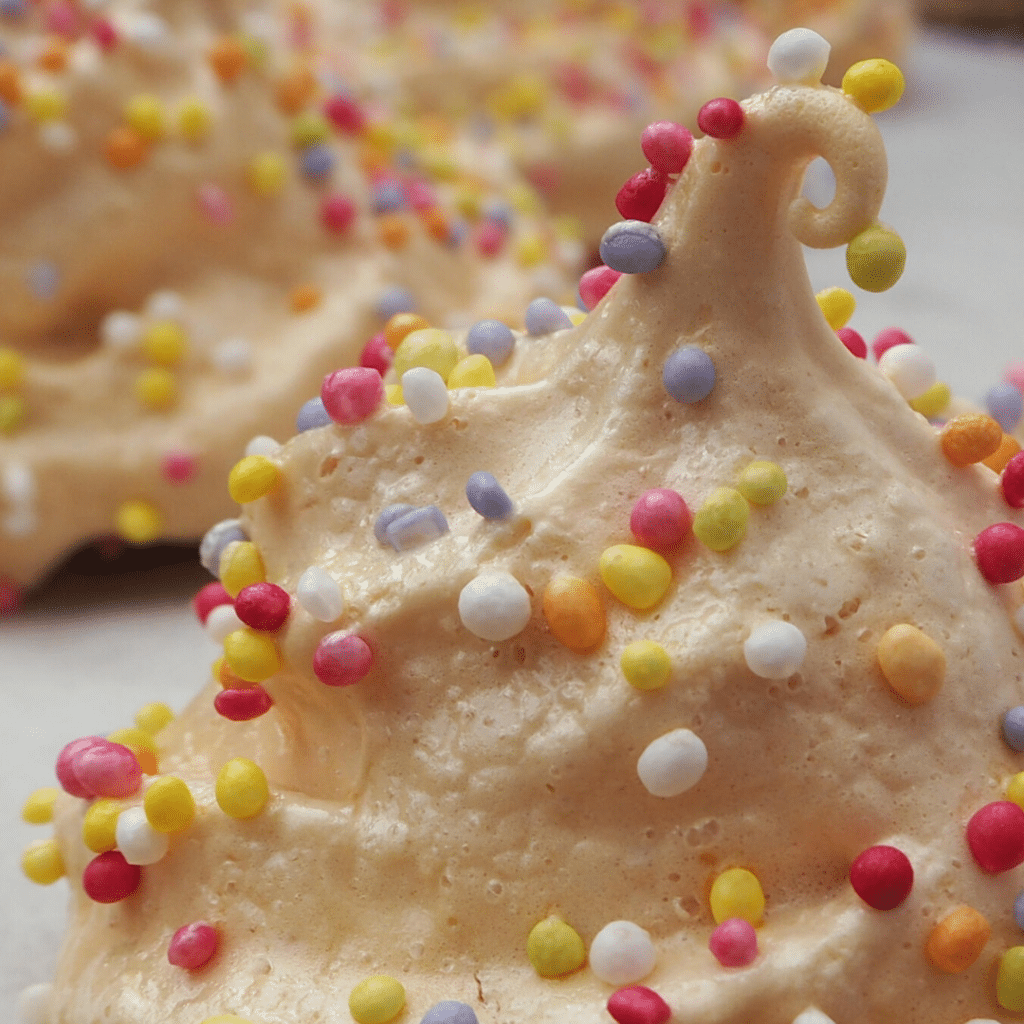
[423,820]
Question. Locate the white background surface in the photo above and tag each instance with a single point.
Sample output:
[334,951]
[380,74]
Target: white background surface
[86,653]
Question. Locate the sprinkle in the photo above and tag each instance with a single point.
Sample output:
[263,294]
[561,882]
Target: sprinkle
[109,878]
[689,375]
[312,415]
[472,372]
[622,953]
[156,388]
[734,943]
[178,467]
[1010,979]
[492,339]
[1012,481]
[376,1000]
[337,213]
[169,804]
[1013,728]
[345,114]
[233,356]
[12,368]
[42,862]
[164,343]
[252,478]
[420,526]
[995,834]
[12,413]
[395,300]
[193,119]
[555,948]
[956,941]
[854,343]
[125,148]
[303,298]
[595,284]
[241,565]
[494,606]
[228,59]
[450,1011]
[145,114]
[999,552]
[912,662]
[99,825]
[837,306]
[317,162]
[222,622]
[637,576]
[889,338]
[1005,405]
[775,650]
[153,717]
[882,876]
[319,594]
[65,765]
[969,438]
[632,247]
[263,606]
[874,85]
[242,790]
[141,744]
[737,893]
[217,538]
[574,613]
[377,354]
[400,326]
[762,483]
[932,403]
[193,946]
[387,517]
[720,118]
[660,519]
[646,665]
[667,146]
[798,57]
[138,840]
[642,195]
[1018,910]
[107,769]
[910,369]
[430,347]
[251,656]
[673,763]
[244,703]
[543,316]
[637,1004]
[1008,447]
[426,394]
[342,659]
[487,497]
[38,808]
[721,522]
[875,258]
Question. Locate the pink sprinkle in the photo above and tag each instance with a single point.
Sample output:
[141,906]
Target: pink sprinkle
[889,338]
[10,596]
[208,598]
[377,354]
[65,766]
[667,146]
[337,213]
[352,394]
[62,19]
[109,878]
[995,835]
[595,283]
[660,519]
[853,341]
[104,33]
[263,606]
[216,204]
[1012,481]
[342,659]
[238,704]
[345,114]
[702,23]
[1015,375]
[734,943]
[490,237]
[193,945]
[721,118]
[641,196]
[544,177]
[178,467]
[107,769]
[421,195]
[999,552]
[638,1004]
[575,82]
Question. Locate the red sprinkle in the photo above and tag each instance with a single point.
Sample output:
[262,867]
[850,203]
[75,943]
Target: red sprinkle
[10,596]
[595,283]
[490,237]
[999,552]
[853,341]
[337,213]
[263,606]
[65,766]
[243,705]
[734,943]
[109,878]
[104,33]
[178,467]
[377,354]
[193,945]
[889,338]
[342,659]
[352,394]
[209,597]
[667,146]
[721,118]
[995,835]
[641,196]
[638,1004]
[660,519]
[345,114]
[882,877]
[1012,481]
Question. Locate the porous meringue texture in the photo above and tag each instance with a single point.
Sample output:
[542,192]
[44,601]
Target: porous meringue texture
[423,820]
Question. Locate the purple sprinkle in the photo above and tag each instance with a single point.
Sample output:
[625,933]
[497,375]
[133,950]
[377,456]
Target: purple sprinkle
[450,1011]
[317,162]
[43,279]
[490,338]
[689,374]
[416,527]
[217,538]
[395,300]
[387,517]
[388,197]
[487,496]
[1018,910]
[1005,405]
[543,316]
[312,415]
[1013,728]
[632,247]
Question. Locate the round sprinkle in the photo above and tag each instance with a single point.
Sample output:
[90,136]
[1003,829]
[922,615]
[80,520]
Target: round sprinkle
[138,522]
[38,808]
[337,213]
[737,893]
[109,878]
[595,284]
[242,790]
[312,415]
[1018,910]
[387,517]
[673,763]
[882,876]
[243,704]
[472,372]
[138,840]
[995,834]
[1005,405]
[252,478]
[241,565]
[492,339]
[107,769]
[775,650]
[688,375]
[420,526]
[646,665]
[999,552]
[153,717]
[377,354]
[395,300]
[912,662]
[854,343]
[637,576]
[217,538]
[42,862]
[798,57]
[352,394]
[956,941]
[721,522]
[494,606]
[1012,481]
[319,594]
[251,656]
[637,1004]
[969,438]
[342,659]
[887,339]
[450,1011]
[99,826]
[169,804]
[667,146]
[193,946]
[933,402]
[874,85]
[376,1000]
[660,519]
[1010,980]
[487,496]
[632,247]
[837,305]
[621,953]
[263,606]
[909,368]
[543,316]
[762,483]
[875,258]
[642,195]
[430,347]
[1013,728]
[574,613]
[222,622]
[721,118]
[555,948]
[120,330]
[734,943]
[65,766]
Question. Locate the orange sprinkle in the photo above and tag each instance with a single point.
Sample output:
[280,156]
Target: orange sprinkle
[54,57]
[1008,447]
[401,324]
[10,83]
[436,223]
[957,940]
[971,438]
[574,613]
[304,298]
[295,90]
[228,59]
[393,230]
[125,148]
[372,158]
[227,679]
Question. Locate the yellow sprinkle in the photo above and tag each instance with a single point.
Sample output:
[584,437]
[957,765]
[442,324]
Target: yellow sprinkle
[576,317]
[145,114]
[156,388]
[637,576]
[912,663]
[875,258]
[430,347]
[169,805]
[141,744]
[1008,447]
[242,790]
[99,826]
[474,371]
[574,613]
[646,665]
[555,948]
[875,85]
[525,200]
[194,119]
[1015,789]
[252,656]
[721,522]
[42,862]
[531,250]
[47,105]
[267,172]
[138,522]
[393,394]
[164,343]
[737,893]
[762,483]
[837,305]
[376,1000]
[12,413]
[956,941]
[12,368]
[1010,980]
[153,717]
[241,565]
[252,478]
[38,808]
[308,129]
[933,401]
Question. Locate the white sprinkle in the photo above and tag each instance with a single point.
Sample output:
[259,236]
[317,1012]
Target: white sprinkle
[233,356]
[138,840]
[673,763]
[775,650]
[165,305]
[57,137]
[34,1003]
[146,30]
[798,56]
[426,394]
[812,1015]
[319,594]
[622,953]
[909,368]
[221,621]
[121,330]
[263,445]
[18,483]
[495,606]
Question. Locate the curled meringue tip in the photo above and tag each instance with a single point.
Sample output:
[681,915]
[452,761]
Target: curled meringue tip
[799,57]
